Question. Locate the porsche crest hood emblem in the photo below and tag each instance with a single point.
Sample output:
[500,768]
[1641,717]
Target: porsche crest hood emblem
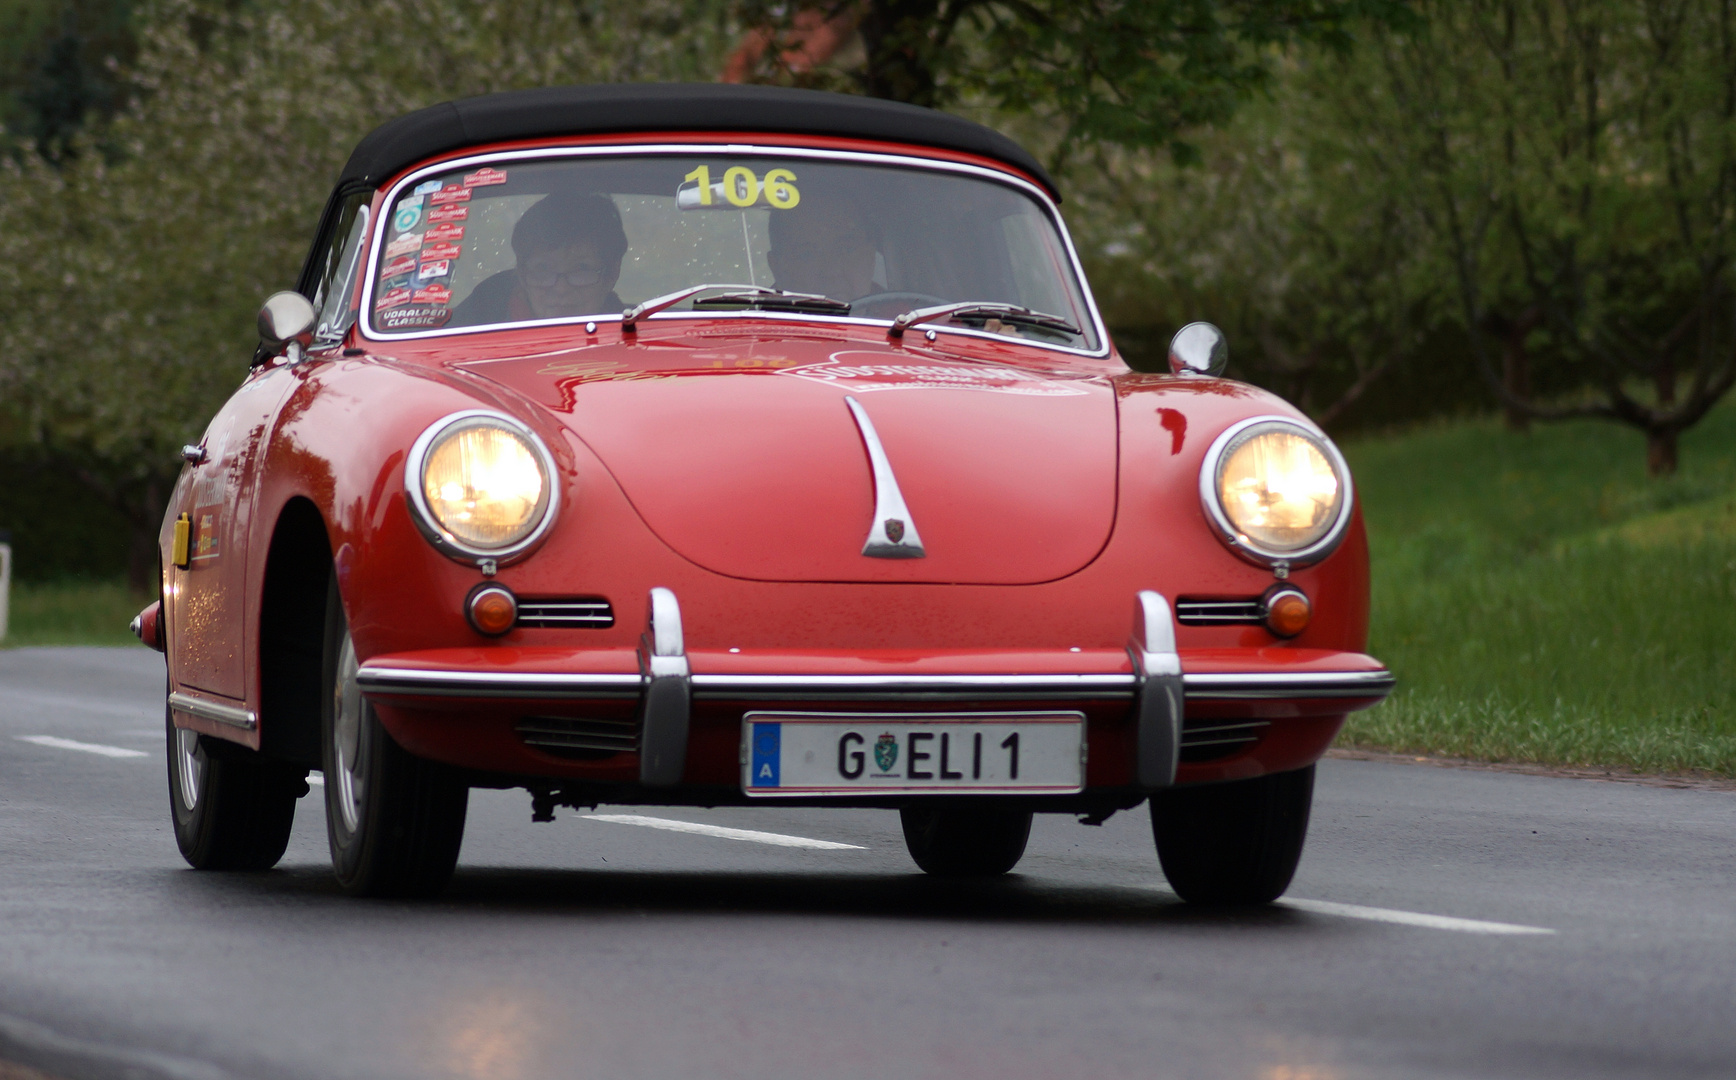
[894,529]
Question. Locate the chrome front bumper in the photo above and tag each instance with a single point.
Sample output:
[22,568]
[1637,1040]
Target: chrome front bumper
[666,688]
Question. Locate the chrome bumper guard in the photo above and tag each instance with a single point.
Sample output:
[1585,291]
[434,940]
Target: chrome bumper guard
[666,687]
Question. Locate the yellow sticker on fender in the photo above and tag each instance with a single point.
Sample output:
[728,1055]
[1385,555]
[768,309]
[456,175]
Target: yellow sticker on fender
[183,535]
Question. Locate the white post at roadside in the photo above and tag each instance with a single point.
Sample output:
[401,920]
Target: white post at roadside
[5,580]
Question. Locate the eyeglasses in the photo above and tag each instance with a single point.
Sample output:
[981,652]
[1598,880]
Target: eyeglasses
[548,279]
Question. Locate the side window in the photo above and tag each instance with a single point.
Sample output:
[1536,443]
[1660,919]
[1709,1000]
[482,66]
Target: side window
[335,287]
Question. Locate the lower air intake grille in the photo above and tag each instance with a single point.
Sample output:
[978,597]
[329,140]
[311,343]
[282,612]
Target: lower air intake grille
[1192,611]
[589,737]
[1208,740]
[580,612]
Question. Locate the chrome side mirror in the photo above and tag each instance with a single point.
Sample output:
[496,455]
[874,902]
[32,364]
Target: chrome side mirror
[1199,349]
[285,317]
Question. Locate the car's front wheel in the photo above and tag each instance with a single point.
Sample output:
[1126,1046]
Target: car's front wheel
[395,821]
[966,842]
[1236,843]
[232,809]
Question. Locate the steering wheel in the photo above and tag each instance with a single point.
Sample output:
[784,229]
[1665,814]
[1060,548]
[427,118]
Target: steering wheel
[887,305]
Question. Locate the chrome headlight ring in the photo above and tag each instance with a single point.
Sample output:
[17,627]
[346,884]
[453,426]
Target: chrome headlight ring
[430,526]
[1232,439]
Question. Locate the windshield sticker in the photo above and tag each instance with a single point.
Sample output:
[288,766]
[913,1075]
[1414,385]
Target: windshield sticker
[861,370]
[425,187]
[431,252]
[447,213]
[415,318]
[398,267]
[739,189]
[432,294]
[449,195]
[404,245]
[409,214]
[484,176]
[437,268]
[443,232]
[393,298]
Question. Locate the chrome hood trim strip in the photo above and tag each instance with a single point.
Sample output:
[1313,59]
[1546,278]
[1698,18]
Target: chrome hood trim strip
[893,534]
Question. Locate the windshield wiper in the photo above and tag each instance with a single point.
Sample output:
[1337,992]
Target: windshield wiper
[1007,313]
[747,295]
[776,300]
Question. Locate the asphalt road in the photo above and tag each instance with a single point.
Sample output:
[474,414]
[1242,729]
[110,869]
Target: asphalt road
[1445,923]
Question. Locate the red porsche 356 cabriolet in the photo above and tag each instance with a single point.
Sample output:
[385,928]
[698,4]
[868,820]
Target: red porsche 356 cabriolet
[720,445]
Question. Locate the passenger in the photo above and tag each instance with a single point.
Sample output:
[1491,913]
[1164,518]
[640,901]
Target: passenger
[821,246]
[568,250]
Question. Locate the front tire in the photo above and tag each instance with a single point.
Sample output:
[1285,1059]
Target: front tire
[1233,844]
[395,821]
[232,809]
[961,842]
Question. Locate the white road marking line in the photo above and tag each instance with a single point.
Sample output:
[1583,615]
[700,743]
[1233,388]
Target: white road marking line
[1393,915]
[694,827]
[1412,918]
[87,747]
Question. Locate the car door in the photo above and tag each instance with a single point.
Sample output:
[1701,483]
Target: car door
[207,620]
[210,620]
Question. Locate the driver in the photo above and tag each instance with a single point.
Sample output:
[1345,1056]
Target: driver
[568,249]
[821,246]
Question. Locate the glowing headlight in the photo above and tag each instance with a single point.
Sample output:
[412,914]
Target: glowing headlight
[1278,490]
[485,484]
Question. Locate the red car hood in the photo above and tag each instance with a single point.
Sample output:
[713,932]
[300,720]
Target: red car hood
[744,457]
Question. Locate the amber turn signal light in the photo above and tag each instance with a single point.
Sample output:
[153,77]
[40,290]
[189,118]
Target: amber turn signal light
[1287,611]
[491,609]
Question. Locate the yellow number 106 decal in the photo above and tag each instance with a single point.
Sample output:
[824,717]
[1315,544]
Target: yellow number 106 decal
[739,187]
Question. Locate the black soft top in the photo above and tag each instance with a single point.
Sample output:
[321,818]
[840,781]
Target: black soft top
[622,107]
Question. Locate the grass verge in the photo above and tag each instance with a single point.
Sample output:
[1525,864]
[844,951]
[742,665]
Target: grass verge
[72,613]
[1543,601]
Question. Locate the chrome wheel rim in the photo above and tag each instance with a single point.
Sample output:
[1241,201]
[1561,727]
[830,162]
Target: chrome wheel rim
[347,783]
[189,766]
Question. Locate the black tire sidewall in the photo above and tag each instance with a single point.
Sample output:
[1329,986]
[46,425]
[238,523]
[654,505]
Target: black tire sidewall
[965,841]
[1235,843]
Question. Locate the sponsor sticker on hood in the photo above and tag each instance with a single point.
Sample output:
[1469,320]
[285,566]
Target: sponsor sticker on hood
[393,298]
[440,251]
[449,195]
[437,268]
[403,245]
[414,318]
[403,264]
[409,214]
[432,294]
[447,213]
[444,232]
[863,370]
[484,176]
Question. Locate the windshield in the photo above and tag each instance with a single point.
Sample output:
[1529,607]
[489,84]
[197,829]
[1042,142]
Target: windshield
[544,240]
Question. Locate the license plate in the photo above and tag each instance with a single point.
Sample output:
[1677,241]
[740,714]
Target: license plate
[790,753]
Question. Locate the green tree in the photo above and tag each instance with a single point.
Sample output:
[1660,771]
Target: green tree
[1135,73]
[1321,283]
[1575,164]
[132,278]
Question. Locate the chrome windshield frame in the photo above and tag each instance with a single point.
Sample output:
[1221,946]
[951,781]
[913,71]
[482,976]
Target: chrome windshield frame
[381,221]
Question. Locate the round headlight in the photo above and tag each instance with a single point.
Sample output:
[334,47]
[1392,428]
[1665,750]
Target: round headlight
[484,483]
[1278,490]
